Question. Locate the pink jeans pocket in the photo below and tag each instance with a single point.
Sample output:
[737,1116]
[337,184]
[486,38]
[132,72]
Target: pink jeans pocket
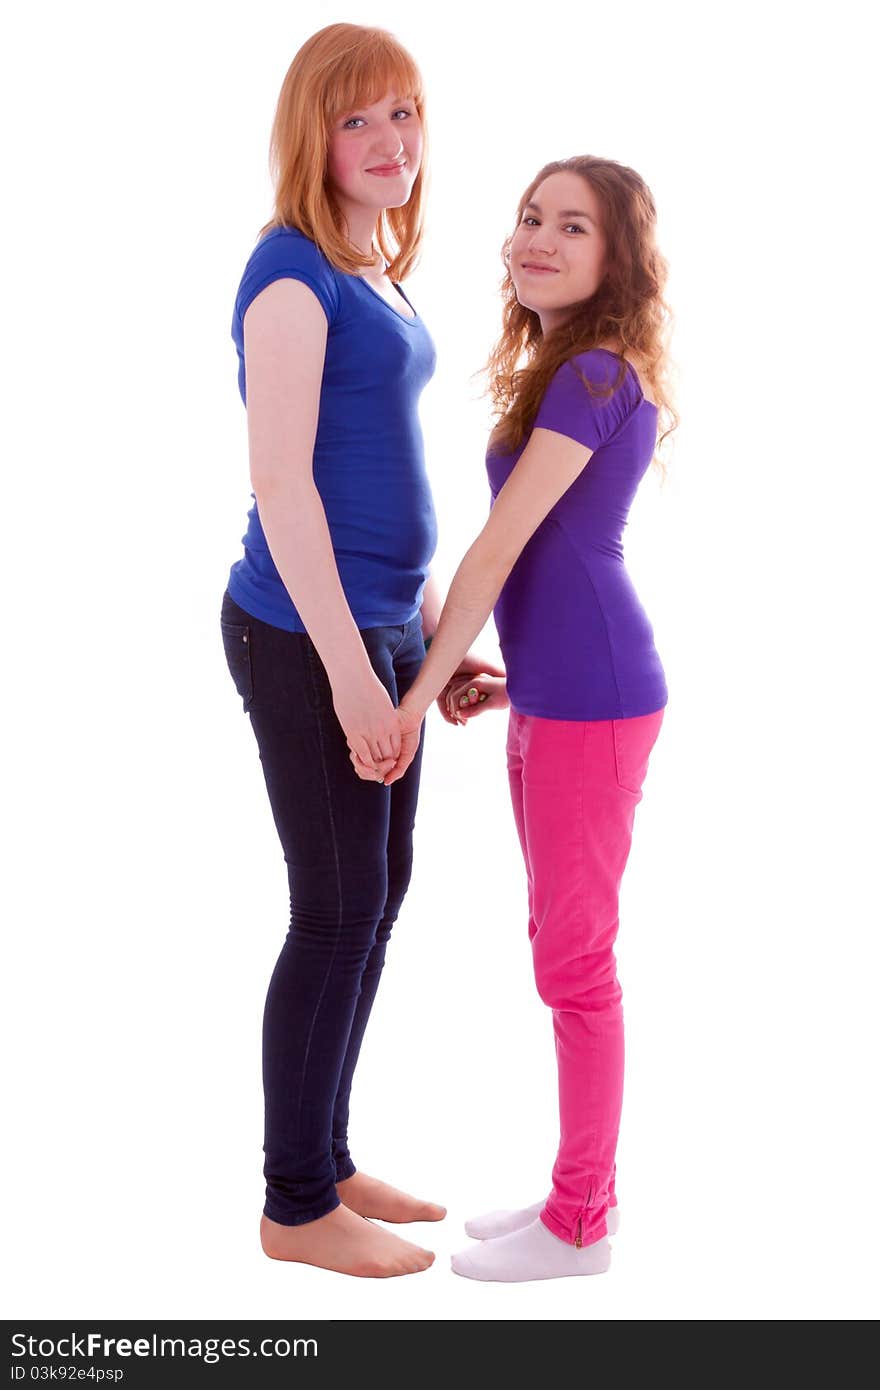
[633,741]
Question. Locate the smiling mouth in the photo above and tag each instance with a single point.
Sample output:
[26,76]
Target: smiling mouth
[387,170]
[539,269]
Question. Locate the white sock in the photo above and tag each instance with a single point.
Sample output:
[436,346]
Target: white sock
[501,1223]
[531,1253]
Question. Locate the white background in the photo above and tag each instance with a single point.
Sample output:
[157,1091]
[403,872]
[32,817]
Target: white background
[147,895]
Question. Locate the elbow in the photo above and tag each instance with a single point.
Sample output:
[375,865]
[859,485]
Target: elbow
[481,576]
[271,482]
[490,563]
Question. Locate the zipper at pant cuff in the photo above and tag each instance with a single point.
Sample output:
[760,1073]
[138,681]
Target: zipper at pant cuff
[579,1226]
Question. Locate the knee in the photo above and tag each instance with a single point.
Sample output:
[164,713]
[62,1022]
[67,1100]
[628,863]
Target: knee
[581,982]
[399,875]
[345,907]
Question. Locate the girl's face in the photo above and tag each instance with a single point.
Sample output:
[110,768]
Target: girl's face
[557,253]
[374,154]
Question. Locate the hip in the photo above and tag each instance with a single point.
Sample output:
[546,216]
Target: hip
[275,668]
[583,681]
[556,755]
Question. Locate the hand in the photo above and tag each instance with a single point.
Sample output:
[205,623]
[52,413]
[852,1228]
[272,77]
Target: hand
[369,722]
[465,699]
[470,665]
[410,728]
[410,733]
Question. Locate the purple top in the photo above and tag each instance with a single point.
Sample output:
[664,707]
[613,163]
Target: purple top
[575,639]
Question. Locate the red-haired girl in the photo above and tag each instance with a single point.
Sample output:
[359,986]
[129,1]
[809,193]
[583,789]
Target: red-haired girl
[325,616]
[578,378]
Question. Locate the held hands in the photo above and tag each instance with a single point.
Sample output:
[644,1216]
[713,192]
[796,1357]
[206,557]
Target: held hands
[409,730]
[370,724]
[380,754]
[463,700]
[468,668]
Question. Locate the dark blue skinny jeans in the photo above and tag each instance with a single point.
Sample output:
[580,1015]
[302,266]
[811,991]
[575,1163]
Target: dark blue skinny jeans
[348,848]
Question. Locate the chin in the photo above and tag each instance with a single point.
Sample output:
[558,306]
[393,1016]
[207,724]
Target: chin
[532,307]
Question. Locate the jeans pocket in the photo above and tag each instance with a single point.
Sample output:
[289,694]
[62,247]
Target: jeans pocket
[237,646]
[630,755]
[633,741]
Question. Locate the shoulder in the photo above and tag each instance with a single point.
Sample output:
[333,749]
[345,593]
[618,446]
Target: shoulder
[288,246]
[604,370]
[589,398]
[285,252]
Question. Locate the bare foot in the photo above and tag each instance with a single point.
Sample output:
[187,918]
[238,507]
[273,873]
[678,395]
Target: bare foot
[344,1241]
[370,1197]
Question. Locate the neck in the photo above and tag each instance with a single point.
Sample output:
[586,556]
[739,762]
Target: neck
[551,320]
[360,228]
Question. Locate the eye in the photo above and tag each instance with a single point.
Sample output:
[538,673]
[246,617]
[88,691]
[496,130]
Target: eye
[401,111]
[530,221]
[573,227]
[352,122]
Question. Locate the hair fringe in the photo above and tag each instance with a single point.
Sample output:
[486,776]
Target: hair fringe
[341,67]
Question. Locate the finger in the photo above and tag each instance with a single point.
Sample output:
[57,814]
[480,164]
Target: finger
[362,769]
[386,746]
[369,774]
[444,701]
[470,710]
[381,766]
[399,770]
[386,751]
[445,711]
[364,751]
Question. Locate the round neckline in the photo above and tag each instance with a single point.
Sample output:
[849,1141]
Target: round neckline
[404,318]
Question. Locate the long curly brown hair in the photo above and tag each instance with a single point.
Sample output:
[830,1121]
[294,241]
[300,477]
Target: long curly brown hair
[627,313]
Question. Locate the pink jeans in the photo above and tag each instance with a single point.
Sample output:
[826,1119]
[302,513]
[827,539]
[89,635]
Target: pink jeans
[575,787]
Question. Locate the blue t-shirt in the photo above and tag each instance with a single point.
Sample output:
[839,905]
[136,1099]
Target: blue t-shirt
[369,465]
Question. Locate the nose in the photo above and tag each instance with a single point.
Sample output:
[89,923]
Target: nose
[389,146]
[540,243]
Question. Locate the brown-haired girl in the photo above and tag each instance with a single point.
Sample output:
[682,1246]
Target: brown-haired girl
[578,377]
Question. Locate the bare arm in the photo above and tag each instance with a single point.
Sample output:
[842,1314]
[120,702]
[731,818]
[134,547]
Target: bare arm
[285,336]
[549,465]
[471,664]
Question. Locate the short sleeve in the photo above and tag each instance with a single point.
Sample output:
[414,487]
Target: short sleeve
[569,408]
[285,254]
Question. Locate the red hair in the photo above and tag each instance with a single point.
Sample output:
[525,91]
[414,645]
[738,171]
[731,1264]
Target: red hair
[337,69]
